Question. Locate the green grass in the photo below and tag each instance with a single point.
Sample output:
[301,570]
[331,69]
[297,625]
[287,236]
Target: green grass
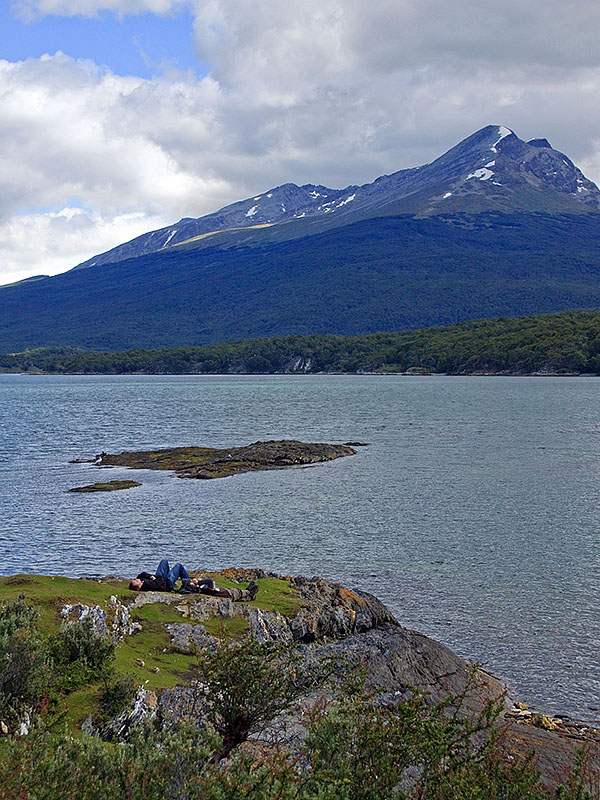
[152,644]
[153,647]
[79,704]
[159,612]
[227,629]
[50,593]
[275,594]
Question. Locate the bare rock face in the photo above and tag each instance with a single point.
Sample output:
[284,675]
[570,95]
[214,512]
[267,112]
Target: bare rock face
[186,637]
[397,660]
[332,611]
[120,626]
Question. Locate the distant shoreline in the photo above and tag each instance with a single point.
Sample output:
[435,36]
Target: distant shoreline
[360,374]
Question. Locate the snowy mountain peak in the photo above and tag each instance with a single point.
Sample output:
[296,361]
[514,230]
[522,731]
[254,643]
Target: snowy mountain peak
[492,169]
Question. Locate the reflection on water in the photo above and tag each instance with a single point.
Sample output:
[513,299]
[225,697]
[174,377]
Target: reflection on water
[473,513]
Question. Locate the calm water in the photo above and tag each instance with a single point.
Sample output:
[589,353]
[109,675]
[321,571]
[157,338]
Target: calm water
[474,512]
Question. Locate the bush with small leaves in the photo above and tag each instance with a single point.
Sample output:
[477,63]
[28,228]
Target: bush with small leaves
[117,694]
[246,686]
[78,641]
[24,666]
[80,654]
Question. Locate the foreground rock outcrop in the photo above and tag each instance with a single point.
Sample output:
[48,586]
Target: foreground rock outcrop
[208,462]
[158,635]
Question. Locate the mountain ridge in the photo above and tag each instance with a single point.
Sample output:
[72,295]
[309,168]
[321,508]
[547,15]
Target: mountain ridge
[494,227]
[459,180]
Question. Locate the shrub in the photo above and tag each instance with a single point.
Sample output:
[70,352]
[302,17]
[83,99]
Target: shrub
[246,686]
[116,695]
[17,615]
[24,672]
[153,765]
[78,641]
[80,655]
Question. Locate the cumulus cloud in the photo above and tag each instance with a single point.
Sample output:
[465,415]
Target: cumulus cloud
[68,236]
[331,91]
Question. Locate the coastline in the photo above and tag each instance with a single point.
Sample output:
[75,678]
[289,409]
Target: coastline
[360,373]
[325,619]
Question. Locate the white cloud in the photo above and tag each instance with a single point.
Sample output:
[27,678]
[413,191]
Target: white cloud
[30,10]
[69,236]
[331,91]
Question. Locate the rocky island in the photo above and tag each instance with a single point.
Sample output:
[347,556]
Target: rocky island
[109,486]
[159,636]
[209,462]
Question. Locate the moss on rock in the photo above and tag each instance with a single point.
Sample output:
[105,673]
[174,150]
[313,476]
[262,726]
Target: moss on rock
[207,463]
[109,486]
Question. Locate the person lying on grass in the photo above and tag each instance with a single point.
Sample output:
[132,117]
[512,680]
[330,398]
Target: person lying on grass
[165,578]
[208,586]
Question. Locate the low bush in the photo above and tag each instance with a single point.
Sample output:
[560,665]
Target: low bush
[246,686]
[116,696]
[78,641]
[24,662]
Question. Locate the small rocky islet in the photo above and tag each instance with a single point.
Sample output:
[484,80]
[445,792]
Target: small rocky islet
[108,486]
[209,462]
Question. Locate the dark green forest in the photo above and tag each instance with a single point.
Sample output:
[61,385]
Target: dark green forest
[385,274]
[564,343]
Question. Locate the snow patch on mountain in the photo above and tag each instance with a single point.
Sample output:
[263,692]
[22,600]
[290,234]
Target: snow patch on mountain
[502,133]
[252,211]
[484,174]
[171,235]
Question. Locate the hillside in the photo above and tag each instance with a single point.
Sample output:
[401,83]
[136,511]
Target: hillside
[494,227]
[555,343]
[385,274]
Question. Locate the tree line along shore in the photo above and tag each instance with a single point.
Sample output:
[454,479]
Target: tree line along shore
[563,343]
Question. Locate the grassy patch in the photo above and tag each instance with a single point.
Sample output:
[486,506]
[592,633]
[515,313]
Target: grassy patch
[153,647]
[275,594]
[158,612]
[51,592]
[80,704]
[227,629]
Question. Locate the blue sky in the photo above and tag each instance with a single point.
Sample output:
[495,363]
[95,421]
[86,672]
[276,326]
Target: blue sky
[146,111]
[142,44]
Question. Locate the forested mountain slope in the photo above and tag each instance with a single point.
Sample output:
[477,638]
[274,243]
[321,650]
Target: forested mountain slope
[494,227]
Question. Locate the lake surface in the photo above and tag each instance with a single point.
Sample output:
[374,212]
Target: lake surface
[473,513]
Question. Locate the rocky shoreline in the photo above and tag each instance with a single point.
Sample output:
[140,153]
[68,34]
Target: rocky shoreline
[158,634]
